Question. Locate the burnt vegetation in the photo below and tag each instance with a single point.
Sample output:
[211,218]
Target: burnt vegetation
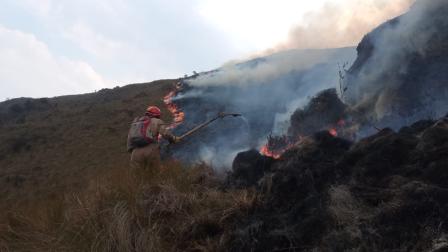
[386,192]
[323,110]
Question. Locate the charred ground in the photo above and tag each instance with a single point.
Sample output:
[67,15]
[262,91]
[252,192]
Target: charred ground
[386,192]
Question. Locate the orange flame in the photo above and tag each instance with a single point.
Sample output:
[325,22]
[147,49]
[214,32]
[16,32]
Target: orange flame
[277,146]
[178,115]
[333,132]
[268,153]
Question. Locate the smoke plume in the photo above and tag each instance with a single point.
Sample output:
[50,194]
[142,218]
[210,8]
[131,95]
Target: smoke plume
[342,23]
[399,76]
[265,90]
[400,73]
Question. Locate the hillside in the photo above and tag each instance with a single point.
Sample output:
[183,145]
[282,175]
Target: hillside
[387,192]
[264,90]
[359,166]
[400,73]
[58,143]
[66,184]
[53,144]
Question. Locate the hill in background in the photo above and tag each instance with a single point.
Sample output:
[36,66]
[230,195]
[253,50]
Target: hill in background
[53,144]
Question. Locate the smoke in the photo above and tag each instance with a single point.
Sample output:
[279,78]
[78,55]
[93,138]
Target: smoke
[338,23]
[400,73]
[265,90]
[265,69]
[342,23]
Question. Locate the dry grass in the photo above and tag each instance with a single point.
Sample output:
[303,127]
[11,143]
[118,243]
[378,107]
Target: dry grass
[178,209]
[60,143]
[346,210]
[65,184]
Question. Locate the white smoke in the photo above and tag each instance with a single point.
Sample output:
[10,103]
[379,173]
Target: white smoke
[342,23]
[265,90]
[264,70]
[379,82]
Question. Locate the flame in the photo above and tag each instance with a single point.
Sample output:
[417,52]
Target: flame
[333,132]
[277,145]
[340,125]
[268,153]
[178,115]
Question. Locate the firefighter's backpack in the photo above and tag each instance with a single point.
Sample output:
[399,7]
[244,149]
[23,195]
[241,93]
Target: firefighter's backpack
[137,136]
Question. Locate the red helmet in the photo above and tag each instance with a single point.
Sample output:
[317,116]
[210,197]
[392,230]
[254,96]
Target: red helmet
[153,111]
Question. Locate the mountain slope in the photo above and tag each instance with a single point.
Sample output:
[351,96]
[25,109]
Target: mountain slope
[50,144]
[266,91]
[384,192]
[387,192]
[400,74]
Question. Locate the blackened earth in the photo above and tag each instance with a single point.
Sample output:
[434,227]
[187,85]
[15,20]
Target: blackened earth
[386,192]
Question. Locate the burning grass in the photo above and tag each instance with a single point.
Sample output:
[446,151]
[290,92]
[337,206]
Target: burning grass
[178,209]
[178,115]
[276,146]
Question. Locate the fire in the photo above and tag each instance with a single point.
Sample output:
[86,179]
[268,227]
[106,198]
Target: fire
[339,129]
[178,115]
[276,146]
[340,125]
[333,132]
[268,153]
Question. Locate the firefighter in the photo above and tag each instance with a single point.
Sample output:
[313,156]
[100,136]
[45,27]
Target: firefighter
[143,138]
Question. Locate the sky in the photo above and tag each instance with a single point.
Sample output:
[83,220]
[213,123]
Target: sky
[60,47]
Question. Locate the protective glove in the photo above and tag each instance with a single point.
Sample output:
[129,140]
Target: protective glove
[175,140]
